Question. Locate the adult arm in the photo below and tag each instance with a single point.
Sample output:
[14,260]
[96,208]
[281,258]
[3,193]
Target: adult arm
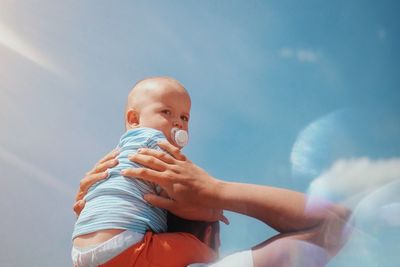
[320,223]
[99,172]
[186,182]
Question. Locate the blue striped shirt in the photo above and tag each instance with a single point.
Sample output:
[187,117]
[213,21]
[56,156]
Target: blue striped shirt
[117,202]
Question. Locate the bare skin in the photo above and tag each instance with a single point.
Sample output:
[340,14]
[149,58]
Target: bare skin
[160,103]
[319,230]
[310,239]
[98,173]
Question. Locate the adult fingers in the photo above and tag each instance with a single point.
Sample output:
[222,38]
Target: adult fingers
[223,219]
[111,155]
[78,207]
[101,167]
[87,182]
[161,155]
[160,202]
[149,162]
[173,150]
[146,174]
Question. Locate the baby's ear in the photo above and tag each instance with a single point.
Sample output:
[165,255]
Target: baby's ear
[132,118]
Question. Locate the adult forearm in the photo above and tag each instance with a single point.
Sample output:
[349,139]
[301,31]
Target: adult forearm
[282,209]
[189,185]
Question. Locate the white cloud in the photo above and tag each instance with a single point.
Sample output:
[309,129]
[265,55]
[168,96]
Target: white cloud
[286,52]
[351,180]
[371,190]
[391,213]
[381,34]
[302,55]
[307,56]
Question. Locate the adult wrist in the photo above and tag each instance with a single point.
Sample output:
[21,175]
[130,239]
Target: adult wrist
[216,196]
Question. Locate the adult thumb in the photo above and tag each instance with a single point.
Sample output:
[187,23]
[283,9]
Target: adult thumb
[223,219]
[158,201]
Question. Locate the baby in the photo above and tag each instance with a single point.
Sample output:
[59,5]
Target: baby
[115,215]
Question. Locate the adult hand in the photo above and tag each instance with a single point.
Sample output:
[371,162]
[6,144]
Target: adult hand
[97,173]
[188,186]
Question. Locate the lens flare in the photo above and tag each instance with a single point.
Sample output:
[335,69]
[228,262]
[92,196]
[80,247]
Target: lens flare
[11,40]
[36,172]
[352,157]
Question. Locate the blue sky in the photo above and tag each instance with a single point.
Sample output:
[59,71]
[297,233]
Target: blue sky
[285,93]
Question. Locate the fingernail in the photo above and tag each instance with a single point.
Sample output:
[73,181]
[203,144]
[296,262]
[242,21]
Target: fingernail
[139,150]
[123,172]
[146,198]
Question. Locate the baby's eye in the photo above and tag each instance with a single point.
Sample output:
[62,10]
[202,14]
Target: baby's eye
[185,118]
[166,111]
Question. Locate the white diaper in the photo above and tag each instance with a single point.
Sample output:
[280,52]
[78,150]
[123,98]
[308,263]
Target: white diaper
[100,254]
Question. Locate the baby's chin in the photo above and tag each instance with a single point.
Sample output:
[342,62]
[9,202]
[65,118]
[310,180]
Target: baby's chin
[172,142]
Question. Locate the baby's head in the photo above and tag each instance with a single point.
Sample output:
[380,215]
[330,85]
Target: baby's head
[161,103]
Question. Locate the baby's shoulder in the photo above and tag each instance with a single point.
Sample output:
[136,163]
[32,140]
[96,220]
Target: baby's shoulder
[145,137]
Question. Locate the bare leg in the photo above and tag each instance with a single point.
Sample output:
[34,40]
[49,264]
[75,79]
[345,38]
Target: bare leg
[289,252]
[311,248]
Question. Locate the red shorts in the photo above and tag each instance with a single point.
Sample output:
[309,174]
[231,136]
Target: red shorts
[164,250]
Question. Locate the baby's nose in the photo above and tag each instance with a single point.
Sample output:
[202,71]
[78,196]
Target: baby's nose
[177,124]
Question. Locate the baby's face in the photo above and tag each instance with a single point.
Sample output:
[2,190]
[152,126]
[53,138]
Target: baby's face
[166,107]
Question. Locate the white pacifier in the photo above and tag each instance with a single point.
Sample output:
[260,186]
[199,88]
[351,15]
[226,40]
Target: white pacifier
[180,137]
